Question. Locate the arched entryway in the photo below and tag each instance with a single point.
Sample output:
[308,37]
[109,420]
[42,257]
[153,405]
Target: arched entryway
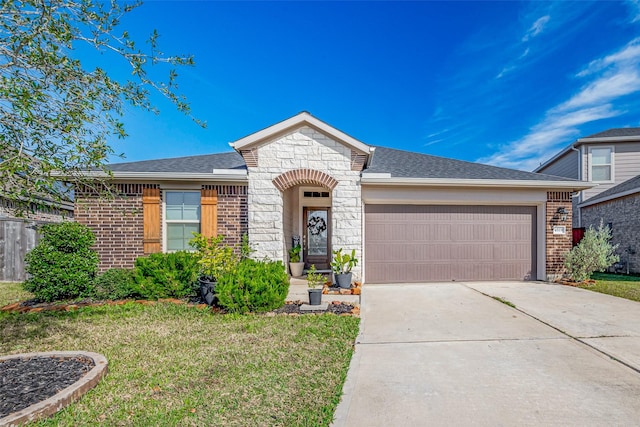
[307,201]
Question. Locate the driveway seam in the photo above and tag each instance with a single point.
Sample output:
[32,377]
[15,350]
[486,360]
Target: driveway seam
[580,340]
[463,340]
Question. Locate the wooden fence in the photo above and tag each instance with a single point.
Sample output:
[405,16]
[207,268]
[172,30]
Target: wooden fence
[17,237]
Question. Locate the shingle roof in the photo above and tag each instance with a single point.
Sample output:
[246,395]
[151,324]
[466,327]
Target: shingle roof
[628,185]
[611,133]
[405,164]
[194,164]
[401,164]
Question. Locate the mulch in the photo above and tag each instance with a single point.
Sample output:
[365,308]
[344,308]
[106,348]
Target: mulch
[27,381]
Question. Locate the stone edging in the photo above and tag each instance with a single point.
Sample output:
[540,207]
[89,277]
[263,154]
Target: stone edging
[64,397]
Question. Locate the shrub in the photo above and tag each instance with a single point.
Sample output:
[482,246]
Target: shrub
[171,275]
[214,258]
[115,283]
[62,265]
[254,286]
[593,253]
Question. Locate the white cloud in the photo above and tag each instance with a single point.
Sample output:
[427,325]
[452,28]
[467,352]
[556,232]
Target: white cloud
[635,10]
[612,78]
[536,28]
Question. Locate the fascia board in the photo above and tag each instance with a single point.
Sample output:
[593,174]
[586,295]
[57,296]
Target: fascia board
[220,175]
[608,198]
[554,158]
[293,122]
[608,139]
[487,183]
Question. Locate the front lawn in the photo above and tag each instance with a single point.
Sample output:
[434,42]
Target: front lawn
[614,284]
[11,292]
[176,365]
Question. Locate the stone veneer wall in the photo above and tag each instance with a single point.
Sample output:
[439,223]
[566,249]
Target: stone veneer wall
[557,244]
[118,223]
[624,215]
[303,148]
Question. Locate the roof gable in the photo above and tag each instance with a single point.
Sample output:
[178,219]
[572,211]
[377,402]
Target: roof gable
[299,120]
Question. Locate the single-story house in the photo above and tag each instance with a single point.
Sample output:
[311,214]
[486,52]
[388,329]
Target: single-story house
[410,217]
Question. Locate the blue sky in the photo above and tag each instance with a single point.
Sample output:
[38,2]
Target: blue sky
[504,83]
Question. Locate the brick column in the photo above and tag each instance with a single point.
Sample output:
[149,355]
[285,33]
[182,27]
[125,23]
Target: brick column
[557,244]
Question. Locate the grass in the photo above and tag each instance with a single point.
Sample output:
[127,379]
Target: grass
[617,285]
[11,292]
[176,365]
[504,301]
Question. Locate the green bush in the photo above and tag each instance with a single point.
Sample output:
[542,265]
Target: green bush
[254,286]
[62,265]
[171,275]
[115,283]
[593,253]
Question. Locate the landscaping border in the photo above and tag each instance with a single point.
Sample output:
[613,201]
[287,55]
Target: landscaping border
[64,397]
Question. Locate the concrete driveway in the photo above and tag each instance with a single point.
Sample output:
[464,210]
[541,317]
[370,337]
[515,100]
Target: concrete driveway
[450,354]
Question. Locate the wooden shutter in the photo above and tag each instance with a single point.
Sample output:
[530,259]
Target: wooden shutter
[209,213]
[151,214]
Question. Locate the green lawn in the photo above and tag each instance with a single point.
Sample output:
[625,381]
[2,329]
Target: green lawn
[176,365]
[613,284]
[11,292]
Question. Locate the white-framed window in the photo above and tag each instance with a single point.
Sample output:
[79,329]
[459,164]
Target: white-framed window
[181,219]
[601,164]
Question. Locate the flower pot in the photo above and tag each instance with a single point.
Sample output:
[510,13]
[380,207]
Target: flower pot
[207,290]
[315,296]
[296,268]
[344,280]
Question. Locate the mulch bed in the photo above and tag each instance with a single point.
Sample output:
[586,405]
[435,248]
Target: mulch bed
[290,307]
[336,307]
[27,381]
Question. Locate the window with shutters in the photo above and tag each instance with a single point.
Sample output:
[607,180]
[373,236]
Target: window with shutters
[181,218]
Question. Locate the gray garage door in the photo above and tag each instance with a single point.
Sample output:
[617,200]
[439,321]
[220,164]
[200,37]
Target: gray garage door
[409,243]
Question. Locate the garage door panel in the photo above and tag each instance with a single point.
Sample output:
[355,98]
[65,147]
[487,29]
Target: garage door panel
[414,243]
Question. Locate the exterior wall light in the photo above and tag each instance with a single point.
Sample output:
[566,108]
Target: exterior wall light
[562,213]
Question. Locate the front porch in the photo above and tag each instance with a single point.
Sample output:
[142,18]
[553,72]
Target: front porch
[298,292]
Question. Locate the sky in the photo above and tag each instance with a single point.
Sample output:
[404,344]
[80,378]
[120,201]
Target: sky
[502,83]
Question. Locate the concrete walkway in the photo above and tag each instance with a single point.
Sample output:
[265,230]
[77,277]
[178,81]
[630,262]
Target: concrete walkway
[450,354]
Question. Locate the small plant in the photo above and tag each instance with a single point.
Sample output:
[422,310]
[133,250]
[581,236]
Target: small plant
[253,286]
[62,265]
[170,275]
[245,248]
[593,253]
[314,278]
[343,263]
[215,259]
[113,284]
[294,253]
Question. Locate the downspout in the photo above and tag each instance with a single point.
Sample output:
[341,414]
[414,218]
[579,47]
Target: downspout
[580,177]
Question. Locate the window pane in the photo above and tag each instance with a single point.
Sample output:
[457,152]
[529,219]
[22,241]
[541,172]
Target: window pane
[601,173]
[191,213]
[178,236]
[174,212]
[174,198]
[192,199]
[601,156]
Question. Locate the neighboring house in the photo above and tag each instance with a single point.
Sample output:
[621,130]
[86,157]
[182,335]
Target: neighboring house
[610,159]
[410,217]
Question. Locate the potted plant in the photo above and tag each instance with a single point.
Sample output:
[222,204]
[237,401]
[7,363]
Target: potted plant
[215,260]
[313,280]
[341,267]
[295,265]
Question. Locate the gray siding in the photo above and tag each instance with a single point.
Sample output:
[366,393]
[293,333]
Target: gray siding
[626,165]
[565,166]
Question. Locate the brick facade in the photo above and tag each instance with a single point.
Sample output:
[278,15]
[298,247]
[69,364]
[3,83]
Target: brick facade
[557,244]
[622,215]
[118,222]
